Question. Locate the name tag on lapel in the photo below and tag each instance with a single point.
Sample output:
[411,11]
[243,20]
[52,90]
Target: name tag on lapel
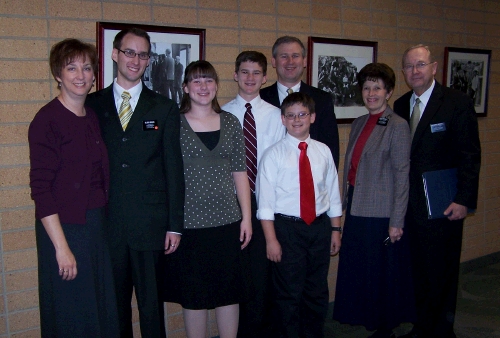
[382,121]
[148,125]
[436,128]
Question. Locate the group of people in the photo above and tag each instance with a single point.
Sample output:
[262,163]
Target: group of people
[238,208]
[466,77]
[339,77]
[164,75]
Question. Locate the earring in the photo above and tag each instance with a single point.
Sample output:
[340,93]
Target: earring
[59,84]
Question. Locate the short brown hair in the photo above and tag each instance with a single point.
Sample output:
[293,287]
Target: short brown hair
[298,98]
[285,40]
[377,71]
[196,70]
[68,50]
[117,42]
[251,56]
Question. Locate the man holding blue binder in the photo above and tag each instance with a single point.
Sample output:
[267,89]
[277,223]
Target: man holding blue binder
[444,135]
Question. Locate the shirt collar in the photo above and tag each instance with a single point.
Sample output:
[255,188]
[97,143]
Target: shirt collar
[295,141]
[424,98]
[242,102]
[134,92]
[282,90]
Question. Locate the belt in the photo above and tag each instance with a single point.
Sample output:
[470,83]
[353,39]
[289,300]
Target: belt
[297,219]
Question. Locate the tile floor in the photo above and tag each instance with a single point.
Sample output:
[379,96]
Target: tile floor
[478,308]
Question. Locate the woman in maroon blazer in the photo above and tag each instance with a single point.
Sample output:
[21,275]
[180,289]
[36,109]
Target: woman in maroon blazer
[69,177]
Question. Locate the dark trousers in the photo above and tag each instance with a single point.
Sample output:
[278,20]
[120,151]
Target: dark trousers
[435,247]
[140,270]
[169,91]
[178,95]
[255,315]
[300,279]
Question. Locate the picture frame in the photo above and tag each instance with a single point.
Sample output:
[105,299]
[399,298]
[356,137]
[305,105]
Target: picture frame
[468,70]
[333,64]
[185,45]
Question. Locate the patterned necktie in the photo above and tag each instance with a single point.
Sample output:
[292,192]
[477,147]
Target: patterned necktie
[289,91]
[125,110]
[250,134]
[415,117]
[307,199]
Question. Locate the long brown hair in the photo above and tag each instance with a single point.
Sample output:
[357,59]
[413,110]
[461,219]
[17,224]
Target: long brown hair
[196,70]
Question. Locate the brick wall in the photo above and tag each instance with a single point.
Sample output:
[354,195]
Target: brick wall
[28,28]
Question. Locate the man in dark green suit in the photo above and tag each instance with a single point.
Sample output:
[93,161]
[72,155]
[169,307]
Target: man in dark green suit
[146,196]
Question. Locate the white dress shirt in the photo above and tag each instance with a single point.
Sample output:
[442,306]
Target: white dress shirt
[278,186]
[134,92]
[424,98]
[282,91]
[267,118]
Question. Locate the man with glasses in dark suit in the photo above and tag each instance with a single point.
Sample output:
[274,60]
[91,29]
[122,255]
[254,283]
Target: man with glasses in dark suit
[146,195]
[444,135]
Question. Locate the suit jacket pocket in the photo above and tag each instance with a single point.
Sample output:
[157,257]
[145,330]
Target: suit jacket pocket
[154,197]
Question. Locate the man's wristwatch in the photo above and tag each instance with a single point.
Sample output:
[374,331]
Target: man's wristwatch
[339,229]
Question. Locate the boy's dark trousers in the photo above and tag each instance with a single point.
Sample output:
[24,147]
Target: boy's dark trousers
[300,279]
[255,315]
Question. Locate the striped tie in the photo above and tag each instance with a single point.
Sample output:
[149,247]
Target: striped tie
[289,91]
[250,133]
[125,110]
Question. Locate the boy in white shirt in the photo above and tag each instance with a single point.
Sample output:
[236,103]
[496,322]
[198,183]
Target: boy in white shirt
[250,74]
[300,208]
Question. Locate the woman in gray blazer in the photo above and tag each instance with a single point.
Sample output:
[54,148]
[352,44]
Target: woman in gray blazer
[374,284]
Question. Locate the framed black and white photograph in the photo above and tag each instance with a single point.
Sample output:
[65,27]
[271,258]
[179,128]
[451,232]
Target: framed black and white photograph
[468,70]
[333,66]
[172,49]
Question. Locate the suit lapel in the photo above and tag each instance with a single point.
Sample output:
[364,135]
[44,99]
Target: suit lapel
[110,107]
[430,110]
[274,98]
[143,106]
[356,132]
[405,113]
[378,132]
[304,88]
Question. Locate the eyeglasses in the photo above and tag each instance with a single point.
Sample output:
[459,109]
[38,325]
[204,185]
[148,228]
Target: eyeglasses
[301,116]
[419,66]
[131,54]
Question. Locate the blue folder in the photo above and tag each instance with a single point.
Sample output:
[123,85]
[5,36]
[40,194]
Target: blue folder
[440,189]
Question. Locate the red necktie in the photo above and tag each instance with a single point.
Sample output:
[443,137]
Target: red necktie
[250,134]
[307,199]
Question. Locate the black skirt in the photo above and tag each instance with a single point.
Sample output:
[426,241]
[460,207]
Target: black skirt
[207,270]
[87,304]
[374,284]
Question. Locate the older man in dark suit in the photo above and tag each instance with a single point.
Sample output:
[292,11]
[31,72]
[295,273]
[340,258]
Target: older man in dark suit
[445,135]
[146,197]
[289,59]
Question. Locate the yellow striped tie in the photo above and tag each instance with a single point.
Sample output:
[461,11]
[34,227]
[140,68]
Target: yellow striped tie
[125,110]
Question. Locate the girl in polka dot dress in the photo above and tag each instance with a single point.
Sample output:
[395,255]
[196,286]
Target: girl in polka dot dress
[206,272]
